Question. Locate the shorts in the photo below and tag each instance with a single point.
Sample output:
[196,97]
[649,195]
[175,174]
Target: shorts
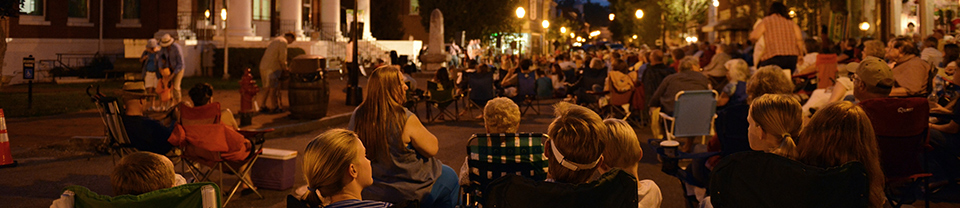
[270,77]
[150,80]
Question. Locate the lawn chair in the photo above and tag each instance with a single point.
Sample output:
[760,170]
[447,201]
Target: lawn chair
[204,140]
[481,87]
[414,97]
[527,93]
[440,98]
[203,194]
[901,129]
[111,115]
[758,179]
[486,161]
[693,115]
[615,188]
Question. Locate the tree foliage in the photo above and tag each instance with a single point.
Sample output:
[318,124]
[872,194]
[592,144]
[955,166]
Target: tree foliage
[476,18]
[625,25]
[679,13]
[385,21]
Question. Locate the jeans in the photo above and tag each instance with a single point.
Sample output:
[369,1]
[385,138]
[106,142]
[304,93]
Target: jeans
[445,192]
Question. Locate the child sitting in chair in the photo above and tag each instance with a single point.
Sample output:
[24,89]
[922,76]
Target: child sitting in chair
[135,174]
[624,152]
[202,94]
[335,164]
[575,145]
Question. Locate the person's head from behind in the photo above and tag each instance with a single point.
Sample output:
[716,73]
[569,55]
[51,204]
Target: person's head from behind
[142,172]
[335,162]
[620,66]
[575,143]
[622,148]
[768,80]
[689,64]
[779,8]
[290,37]
[900,49]
[951,52]
[596,63]
[501,115]
[811,45]
[525,64]
[737,70]
[775,119]
[874,48]
[656,57]
[873,80]
[930,42]
[677,54]
[201,94]
[442,75]
[386,84]
[838,133]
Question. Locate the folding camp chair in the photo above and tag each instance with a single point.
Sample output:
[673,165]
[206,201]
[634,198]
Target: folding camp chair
[759,179]
[111,115]
[491,156]
[414,97]
[202,194]
[615,188]
[440,98]
[206,141]
[480,87]
[527,93]
[901,129]
[693,115]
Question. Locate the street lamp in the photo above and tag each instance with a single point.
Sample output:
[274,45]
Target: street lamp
[223,14]
[716,3]
[611,16]
[793,14]
[520,12]
[639,13]
[562,29]
[864,26]
[546,24]
[226,48]
[572,35]
[634,37]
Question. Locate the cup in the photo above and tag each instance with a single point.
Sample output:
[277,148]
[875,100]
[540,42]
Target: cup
[670,147]
[670,163]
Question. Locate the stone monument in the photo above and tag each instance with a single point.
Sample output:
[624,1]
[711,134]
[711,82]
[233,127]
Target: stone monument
[435,56]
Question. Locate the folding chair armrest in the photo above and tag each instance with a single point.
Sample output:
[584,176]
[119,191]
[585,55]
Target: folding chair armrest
[255,136]
[668,117]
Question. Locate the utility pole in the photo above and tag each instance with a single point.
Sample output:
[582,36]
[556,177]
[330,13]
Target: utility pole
[354,92]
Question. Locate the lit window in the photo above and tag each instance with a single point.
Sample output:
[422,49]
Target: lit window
[32,7]
[77,8]
[261,9]
[131,9]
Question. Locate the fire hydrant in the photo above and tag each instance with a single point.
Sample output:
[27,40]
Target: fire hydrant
[248,90]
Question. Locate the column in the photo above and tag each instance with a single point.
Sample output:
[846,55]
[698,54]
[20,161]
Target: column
[291,18]
[364,6]
[925,18]
[239,16]
[330,18]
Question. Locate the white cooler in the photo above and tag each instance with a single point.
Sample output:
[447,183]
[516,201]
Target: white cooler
[276,169]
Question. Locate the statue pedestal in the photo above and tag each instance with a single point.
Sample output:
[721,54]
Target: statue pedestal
[433,62]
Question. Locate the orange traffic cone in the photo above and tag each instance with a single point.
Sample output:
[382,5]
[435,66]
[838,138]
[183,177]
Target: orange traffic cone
[6,158]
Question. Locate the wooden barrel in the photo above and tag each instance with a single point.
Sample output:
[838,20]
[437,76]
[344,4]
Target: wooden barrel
[309,97]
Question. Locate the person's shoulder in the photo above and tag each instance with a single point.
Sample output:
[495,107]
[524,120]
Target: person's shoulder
[353,203]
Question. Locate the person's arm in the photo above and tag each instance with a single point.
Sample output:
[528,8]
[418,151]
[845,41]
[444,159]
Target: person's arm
[423,141]
[724,98]
[951,127]
[839,91]
[799,36]
[282,57]
[757,32]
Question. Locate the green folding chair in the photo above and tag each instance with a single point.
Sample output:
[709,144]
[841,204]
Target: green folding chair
[203,194]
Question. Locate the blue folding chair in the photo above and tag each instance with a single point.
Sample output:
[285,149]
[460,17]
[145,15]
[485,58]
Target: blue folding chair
[693,114]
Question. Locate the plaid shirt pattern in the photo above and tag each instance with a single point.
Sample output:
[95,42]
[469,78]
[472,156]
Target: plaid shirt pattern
[780,37]
[494,155]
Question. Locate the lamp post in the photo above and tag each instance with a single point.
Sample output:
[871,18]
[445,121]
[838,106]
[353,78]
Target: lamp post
[543,38]
[354,92]
[226,48]
[611,16]
[639,13]
[520,13]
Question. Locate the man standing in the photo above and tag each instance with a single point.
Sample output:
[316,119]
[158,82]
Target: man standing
[172,59]
[274,60]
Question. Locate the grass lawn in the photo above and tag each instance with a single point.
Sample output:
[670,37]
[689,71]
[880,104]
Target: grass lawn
[54,99]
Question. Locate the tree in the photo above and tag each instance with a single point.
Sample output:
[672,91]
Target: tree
[7,9]
[679,13]
[625,25]
[476,19]
[386,24]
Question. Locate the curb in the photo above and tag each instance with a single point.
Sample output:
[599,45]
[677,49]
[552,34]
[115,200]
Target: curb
[307,126]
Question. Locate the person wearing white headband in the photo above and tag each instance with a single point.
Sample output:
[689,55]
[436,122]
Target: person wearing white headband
[575,144]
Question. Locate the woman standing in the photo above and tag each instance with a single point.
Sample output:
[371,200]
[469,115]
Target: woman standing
[782,38]
[401,149]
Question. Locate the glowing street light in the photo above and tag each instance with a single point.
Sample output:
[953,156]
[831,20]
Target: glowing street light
[223,14]
[520,12]
[793,14]
[611,16]
[594,33]
[562,29]
[206,14]
[716,3]
[545,24]
[573,35]
[634,37]
[639,13]
[864,26]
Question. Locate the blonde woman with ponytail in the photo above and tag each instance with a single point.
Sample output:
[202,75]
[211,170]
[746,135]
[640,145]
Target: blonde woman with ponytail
[334,164]
[839,133]
[775,119]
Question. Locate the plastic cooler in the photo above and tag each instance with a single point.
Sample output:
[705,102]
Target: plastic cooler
[276,169]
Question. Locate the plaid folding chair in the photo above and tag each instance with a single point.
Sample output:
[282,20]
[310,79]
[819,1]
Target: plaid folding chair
[491,156]
[203,194]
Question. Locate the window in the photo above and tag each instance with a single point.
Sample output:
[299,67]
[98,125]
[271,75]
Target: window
[131,9]
[415,7]
[32,7]
[77,8]
[261,9]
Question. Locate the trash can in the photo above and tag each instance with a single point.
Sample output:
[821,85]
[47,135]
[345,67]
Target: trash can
[309,93]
